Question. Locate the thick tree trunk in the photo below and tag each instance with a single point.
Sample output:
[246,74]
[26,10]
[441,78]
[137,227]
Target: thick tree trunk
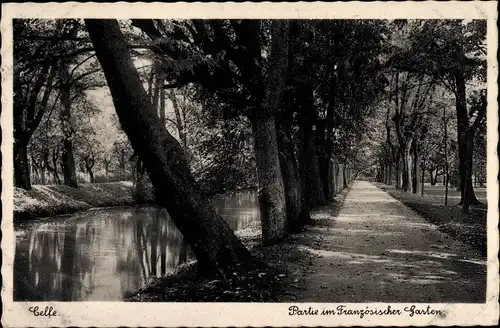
[465,145]
[43,179]
[397,182]
[271,188]
[21,166]
[389,175]
[297,213]
[272,201]
[324,173]
[214,244]
[324,156]
[68,158]
[309,167]
[469,195]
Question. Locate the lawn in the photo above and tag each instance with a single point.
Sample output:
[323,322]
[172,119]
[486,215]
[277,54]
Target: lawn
[468,229]
[49,200]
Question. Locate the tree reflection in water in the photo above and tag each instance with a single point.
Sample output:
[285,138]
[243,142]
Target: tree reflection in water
[106,254]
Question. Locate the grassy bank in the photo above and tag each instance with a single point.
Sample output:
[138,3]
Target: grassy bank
[275,276]
[51,200]
[470,230]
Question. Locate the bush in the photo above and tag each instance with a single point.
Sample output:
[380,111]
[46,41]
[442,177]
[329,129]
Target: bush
[144,191]
[114,177]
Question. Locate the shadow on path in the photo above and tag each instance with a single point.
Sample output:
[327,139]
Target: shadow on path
[378,250]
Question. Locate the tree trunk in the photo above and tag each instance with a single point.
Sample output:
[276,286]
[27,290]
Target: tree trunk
[297,211]
[272,201]
[178,119]
[324,156]
[214,244]
[68,159]
[21,166]
[445,146]
[389,174]
[469,195]
[158,83]
[465,145]
[417,185]
[309,167]
[162,106]
[91,175]
[406,168]
[54,163]
[345,176]
[422,169]
[43,180]
[334,176]
[397,182]
[433,177]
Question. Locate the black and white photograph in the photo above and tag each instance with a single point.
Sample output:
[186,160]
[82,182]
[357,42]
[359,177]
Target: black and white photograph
[335,169]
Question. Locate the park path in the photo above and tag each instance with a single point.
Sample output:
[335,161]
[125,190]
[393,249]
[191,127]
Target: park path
[378,250]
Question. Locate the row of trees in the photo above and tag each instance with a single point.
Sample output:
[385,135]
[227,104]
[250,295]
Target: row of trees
[280,87]
[436,107]
[304,92]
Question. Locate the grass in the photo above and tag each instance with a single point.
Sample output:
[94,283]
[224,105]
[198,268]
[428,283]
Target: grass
[469,229]
[50,200]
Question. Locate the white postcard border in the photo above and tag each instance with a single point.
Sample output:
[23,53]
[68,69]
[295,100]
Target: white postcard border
[112,314]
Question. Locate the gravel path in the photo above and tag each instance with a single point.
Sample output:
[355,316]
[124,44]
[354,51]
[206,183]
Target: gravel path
[378,250]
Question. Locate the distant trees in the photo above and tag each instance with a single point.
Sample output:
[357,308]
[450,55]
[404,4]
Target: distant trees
[49,52]
[452,60]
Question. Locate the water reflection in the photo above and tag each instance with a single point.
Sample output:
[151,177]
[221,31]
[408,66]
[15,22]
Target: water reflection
[105,254]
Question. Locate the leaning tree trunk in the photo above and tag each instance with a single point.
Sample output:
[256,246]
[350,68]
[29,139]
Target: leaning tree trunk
[68,158]
[214,244]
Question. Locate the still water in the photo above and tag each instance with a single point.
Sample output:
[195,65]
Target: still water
[103,255]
